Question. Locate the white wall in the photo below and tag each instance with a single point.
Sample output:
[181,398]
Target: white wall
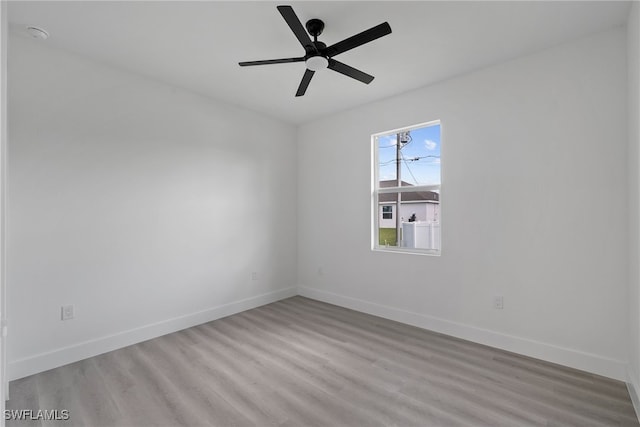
[145,206]
[528,146]
[633,62]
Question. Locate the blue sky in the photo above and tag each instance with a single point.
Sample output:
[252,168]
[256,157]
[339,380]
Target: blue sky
[421,164]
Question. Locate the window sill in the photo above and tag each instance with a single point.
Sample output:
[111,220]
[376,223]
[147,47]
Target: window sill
[428,252]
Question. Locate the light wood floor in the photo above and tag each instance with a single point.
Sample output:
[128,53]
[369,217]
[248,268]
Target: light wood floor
[299,362]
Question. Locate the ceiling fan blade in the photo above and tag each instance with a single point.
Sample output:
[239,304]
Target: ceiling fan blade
[350,71]
[304,84]
[271,61]
[359,39]
[296,26]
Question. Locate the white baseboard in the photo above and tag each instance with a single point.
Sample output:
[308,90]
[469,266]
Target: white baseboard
[564,356]
[593,363]
[633,385]
[65,355]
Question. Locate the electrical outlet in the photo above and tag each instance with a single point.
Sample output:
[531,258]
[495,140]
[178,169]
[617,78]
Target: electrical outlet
[68,312]
[254,275]
[498,302]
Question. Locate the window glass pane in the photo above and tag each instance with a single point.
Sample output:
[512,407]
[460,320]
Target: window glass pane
[387,212]
[387,160]
[416,158]
[418,225]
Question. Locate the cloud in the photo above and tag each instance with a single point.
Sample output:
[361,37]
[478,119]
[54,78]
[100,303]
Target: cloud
[431,145]
[387,141]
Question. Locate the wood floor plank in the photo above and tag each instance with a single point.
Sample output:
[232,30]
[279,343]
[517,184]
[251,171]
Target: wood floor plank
[473,364]
[301,362]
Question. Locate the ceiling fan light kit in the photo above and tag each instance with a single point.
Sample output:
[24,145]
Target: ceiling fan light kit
[317,63]
[317,55]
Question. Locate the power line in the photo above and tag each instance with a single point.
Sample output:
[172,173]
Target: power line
[408,168]
[412,159]
[415,159]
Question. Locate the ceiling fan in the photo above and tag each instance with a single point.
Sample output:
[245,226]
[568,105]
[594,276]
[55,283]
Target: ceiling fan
[317,55]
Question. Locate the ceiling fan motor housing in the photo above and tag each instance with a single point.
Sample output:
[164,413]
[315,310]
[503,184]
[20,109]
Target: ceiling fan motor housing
[316,59]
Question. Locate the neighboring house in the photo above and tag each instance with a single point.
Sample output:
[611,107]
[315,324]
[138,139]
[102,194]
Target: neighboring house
[424,204]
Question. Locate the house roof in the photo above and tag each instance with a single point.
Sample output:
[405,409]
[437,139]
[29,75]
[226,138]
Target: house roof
[412,196]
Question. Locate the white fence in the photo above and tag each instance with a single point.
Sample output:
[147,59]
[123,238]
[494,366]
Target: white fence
[421,235]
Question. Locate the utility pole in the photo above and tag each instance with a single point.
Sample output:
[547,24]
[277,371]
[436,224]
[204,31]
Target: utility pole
[398,184]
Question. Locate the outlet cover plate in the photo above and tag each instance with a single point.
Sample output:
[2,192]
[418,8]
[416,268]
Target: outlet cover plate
[68,312]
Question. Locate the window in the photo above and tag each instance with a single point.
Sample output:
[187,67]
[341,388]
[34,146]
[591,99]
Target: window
[387,212]
[406,189]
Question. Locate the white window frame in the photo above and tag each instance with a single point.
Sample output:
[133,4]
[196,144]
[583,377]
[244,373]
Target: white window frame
[376,190]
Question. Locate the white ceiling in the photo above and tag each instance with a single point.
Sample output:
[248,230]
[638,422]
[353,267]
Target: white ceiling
[197,45]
